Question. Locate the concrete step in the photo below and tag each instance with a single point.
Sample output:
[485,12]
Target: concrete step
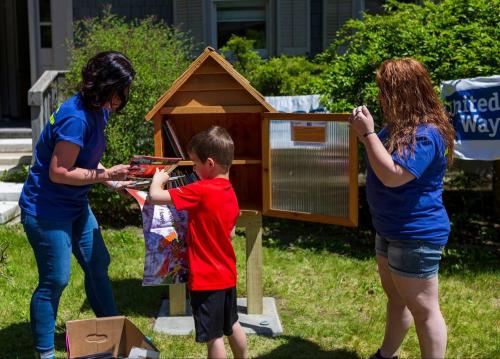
[14,158]
[16,132]
[9,210]
[15,145]
[10,191]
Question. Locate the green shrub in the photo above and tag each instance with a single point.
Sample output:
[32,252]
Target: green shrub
[454,39]
[17,174]
[278,76]
[159,55]
[240,51]
[286,76]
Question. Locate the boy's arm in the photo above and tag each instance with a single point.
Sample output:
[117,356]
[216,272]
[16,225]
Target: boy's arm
[158,195]
[233,232]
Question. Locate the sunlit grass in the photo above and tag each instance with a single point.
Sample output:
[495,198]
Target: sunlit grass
[329,299]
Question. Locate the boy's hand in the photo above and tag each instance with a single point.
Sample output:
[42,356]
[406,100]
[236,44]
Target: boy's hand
[160,177]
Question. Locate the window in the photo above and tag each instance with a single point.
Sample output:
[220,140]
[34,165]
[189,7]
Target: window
[45,24]
[242,18]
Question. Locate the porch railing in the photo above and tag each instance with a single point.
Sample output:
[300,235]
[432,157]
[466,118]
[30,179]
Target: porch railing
[44,97]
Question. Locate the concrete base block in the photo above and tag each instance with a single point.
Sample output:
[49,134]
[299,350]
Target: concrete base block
[268,323]
[8,211]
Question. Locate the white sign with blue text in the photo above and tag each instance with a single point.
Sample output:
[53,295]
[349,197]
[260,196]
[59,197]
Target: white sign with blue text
[475,108]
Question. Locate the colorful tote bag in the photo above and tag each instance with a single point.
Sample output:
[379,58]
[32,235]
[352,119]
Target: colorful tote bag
[165,231]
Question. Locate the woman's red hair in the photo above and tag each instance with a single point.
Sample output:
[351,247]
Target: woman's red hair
[408,100]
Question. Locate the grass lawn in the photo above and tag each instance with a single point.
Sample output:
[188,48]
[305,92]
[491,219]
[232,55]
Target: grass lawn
[328,294]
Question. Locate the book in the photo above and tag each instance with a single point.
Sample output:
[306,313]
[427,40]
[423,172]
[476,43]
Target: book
[178,177]
[174,140]
[145,166]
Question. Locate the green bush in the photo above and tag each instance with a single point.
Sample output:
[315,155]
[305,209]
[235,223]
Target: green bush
[240,51]
[159,54]
[454,39]
[17,174]
[286,76]
[278,76]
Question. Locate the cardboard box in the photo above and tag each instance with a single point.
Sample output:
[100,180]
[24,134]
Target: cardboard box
[116,335]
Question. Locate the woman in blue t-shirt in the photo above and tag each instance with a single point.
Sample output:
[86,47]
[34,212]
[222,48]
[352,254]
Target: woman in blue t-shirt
[55,211]
[404,184]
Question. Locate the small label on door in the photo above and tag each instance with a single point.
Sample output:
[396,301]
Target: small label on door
[310,132]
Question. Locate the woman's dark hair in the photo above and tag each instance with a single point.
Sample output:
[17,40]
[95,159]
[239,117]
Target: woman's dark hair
[106,74]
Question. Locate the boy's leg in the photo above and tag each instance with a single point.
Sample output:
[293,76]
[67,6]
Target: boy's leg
[216,348]
[232,328]
[238,342]
[93,256]
[51,243]
[208,313]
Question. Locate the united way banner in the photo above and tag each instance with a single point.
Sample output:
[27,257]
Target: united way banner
[475,107]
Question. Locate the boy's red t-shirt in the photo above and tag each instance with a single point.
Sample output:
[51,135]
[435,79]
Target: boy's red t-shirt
[212,213]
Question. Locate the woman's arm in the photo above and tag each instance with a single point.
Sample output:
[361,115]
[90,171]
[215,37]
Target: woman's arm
[388,172]
[62,168]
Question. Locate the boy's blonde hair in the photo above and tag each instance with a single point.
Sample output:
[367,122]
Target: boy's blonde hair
[215,143]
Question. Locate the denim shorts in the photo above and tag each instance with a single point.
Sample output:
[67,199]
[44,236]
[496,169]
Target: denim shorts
[410,258]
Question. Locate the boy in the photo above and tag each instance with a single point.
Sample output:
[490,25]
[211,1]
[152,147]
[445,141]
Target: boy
[212,213]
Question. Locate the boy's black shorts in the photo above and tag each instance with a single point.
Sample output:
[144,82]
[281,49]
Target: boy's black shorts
[214,312]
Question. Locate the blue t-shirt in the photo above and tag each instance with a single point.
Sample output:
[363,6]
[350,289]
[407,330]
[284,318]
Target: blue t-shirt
[415,210]
[72,122]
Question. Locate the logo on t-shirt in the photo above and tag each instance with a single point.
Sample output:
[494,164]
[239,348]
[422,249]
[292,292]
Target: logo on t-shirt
[52,119]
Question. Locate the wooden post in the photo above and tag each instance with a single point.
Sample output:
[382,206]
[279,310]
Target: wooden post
[177,299]
[252,221]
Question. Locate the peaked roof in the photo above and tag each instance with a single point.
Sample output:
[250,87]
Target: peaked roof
[208,53]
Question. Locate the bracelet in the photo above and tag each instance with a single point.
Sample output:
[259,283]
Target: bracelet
[369,133]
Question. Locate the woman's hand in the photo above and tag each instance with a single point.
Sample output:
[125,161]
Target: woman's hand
[120,187]
[362,122]
[117,173]
[160,177]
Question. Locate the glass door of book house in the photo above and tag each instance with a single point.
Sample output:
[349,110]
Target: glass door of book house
[310,168]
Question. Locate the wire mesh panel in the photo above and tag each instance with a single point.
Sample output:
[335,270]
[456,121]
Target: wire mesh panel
[309,164]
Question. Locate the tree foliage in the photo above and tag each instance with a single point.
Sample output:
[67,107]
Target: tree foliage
[454,39]
[278,76]
[158,53]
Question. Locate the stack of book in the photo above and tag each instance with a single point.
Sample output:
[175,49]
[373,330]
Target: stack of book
[143,168]
[181,177]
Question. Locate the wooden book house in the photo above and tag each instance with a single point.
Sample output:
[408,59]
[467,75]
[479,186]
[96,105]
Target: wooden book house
[299,166]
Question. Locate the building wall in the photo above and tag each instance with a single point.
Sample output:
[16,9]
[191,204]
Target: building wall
[130,9]
[316,26]
[294,27]
[14,60]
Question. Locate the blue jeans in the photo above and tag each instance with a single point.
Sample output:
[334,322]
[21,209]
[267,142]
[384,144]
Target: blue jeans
[52,242]
[410,258]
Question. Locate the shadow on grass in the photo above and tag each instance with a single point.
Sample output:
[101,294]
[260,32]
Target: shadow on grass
[288,234]
[297,347]
[134,299]
[356,242]
[16,340]
[473,246]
